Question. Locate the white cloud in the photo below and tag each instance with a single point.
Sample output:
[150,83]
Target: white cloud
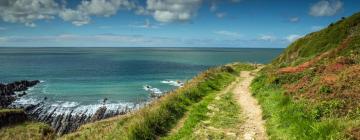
[326,8]
[173,10]
[86,9]
[294,19]
[27,11]
[228,33]
[293,37]
[267,38]
[77,18]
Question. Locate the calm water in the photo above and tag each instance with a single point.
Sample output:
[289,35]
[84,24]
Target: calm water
[82,77]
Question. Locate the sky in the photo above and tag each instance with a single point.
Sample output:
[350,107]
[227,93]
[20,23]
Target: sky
[165,23]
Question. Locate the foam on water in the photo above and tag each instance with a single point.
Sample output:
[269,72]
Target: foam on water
[175,83]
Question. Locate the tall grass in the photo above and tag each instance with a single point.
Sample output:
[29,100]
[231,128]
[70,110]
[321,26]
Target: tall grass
[27,130]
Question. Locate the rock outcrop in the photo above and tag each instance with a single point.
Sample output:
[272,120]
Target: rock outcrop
[7,91]
[66,121]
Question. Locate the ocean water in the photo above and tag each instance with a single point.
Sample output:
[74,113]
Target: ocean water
[80,78]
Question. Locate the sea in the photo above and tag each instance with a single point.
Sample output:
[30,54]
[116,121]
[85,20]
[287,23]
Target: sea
[82,79]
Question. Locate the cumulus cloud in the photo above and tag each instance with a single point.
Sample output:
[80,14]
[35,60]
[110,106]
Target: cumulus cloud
[228,33]
[27,11]
[86,9]
[293,37]
[173,10]
[326,8]
[77,18]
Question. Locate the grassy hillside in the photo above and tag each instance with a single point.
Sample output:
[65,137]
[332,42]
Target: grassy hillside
[157,119]
[312,90]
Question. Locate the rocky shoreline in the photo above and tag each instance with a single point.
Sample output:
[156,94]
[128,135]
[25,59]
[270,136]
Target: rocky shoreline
[7,91]
[61,120]
[69,120]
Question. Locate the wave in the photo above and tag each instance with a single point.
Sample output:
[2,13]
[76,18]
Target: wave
[176,83]
[152,90]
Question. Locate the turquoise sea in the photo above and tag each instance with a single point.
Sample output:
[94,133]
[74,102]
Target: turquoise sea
[81,78]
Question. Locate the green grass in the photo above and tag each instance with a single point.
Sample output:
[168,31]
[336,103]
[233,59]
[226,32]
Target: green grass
[287,118]
[160,117]
[212,118]
[319,42]
[321,101]
[196,114]
[27,130]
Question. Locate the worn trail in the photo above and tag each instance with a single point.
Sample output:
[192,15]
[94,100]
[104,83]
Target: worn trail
[253,127]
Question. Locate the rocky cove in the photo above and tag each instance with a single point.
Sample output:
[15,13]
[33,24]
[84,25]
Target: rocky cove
[62,118]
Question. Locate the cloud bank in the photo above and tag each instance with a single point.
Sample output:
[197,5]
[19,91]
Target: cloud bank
[28,12]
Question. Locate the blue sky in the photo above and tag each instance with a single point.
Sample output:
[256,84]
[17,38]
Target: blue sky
[165,23]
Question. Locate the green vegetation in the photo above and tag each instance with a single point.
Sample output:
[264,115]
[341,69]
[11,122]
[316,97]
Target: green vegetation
[215,117]
[158,118]
[27,130]
[319,42]
[11,116]
[311,91]
[287,118]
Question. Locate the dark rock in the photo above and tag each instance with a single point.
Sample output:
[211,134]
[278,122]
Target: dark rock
[99,114]
[7,91]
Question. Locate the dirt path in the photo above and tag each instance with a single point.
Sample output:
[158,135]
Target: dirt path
[253,127]
[181,122]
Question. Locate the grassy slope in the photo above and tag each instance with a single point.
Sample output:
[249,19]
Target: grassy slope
[158,118]
[320,101]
